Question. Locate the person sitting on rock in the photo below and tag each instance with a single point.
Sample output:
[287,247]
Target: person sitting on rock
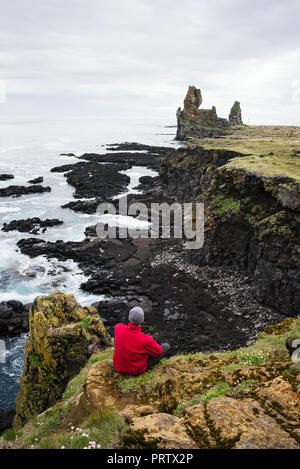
[136,352]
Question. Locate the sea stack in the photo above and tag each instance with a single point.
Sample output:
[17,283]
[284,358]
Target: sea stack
[195,122]
[235,116]
[203,123]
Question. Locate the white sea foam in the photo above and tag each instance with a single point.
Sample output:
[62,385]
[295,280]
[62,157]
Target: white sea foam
[9,209]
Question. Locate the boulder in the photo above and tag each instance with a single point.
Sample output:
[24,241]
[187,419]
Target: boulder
[13,318]
[17,191]
[31,225]
[37,180]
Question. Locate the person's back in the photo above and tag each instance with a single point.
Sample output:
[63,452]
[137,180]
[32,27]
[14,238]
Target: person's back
[132,347]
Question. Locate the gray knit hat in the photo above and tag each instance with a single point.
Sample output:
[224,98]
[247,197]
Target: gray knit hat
[136,316]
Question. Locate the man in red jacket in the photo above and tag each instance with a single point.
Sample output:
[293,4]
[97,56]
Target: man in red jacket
[135,352]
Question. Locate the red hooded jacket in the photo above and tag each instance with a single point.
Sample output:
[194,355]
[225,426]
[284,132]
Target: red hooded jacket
[132,348]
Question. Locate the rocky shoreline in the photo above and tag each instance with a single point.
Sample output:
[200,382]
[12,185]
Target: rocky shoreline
[220,311]
[31,225]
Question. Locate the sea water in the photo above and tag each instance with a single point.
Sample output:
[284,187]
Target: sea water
[29,148]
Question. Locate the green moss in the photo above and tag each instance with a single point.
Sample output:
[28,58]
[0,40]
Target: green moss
[35,360]
[210,167]
[198,126]
[86,322]
[221,389]
[223,204]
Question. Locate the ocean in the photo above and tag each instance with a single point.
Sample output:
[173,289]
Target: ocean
[29,148]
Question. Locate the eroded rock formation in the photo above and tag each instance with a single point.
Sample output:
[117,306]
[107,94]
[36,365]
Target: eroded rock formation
[202,123]
[62,336]
[235,116]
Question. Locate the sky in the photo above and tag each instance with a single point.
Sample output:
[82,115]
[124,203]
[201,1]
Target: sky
[136,58]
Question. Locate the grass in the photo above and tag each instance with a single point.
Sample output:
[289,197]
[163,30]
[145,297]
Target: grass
[9,435]
[199,126]
[219,390]
[254,358]
[269,166]
[103,429]
[269,151]
[129,383]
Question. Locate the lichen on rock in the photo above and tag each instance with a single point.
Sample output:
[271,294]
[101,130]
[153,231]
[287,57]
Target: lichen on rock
[62,336]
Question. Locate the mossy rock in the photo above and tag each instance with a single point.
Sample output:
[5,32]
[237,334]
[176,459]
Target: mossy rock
[57,348]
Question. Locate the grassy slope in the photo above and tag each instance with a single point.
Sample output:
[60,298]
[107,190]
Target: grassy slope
[106,427]
[271,151]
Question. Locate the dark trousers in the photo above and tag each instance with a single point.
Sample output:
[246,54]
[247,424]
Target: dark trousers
[152,361]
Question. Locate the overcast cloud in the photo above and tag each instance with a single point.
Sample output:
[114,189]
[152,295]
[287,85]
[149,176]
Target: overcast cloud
[136,58]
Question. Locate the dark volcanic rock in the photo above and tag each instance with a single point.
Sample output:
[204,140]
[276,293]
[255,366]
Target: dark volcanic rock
[85,206]
[139,271]
[13,318]
[4,177]
[128,159]
[92,179]
[31,225]
[147,183]
[37,180]
[99,177]
[6,419]
[235,116]
[133,146]
[149,156]
[17,191]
